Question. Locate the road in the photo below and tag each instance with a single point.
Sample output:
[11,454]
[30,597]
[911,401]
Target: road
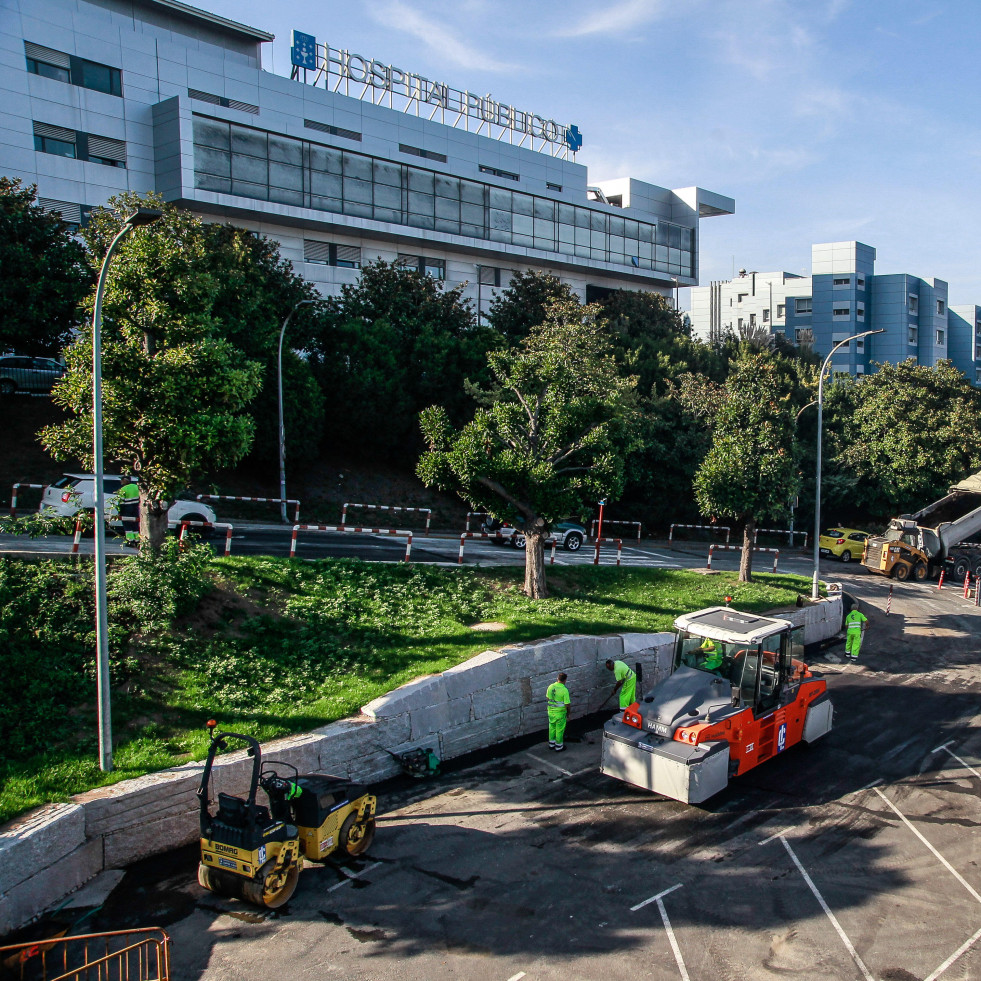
[854,858]
[265,539]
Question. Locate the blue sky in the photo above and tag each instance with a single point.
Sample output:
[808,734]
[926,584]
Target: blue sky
[826,120]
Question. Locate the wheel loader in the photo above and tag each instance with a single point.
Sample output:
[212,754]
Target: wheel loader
[254,852]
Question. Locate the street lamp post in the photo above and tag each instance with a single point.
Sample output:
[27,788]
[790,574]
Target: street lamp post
[817,486]
[142,216]
[282,423]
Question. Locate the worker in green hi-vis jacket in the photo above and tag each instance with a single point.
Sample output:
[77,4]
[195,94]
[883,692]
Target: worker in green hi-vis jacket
[855,623]
[626,682]
[129,508]
[558,711]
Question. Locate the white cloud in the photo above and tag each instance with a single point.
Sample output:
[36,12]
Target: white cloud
[437,37]
[617,19]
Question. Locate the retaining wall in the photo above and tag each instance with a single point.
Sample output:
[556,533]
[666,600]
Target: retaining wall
[489,699]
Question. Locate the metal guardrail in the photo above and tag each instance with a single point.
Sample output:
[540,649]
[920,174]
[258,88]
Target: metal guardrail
[739,548]
[407,535]
[594,526]
[724,528]
[428,512]
[261,500]
[120,955]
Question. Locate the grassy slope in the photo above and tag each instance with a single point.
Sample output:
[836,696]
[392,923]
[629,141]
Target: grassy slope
[282,647]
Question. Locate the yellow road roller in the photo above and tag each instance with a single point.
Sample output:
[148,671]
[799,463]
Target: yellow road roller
[255,852]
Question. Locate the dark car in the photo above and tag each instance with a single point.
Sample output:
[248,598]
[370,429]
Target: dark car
[20,373]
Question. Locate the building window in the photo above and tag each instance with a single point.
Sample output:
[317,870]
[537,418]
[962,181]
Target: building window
[941,337]
[802,305]
[553,187]
[912,335]
[781,311]
[347,134]
[424,265]
[941,308]
[248,162]
[803,335]
[914,304]
[76,71]
[977,376]
[220,100]
[859,369]
[741,297]
[82,146]
[331,254]
[766,316]
[489,275]
[860,312]
[500,173]
[419,152]
[739,323]
[859,345]
[841,312]
[843,281]
[752,320]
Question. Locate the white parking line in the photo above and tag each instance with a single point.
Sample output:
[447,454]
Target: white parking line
[552,765]
[357,875]
[963,949]
[950,752]
[517,977]
[827,910]
[950,868]
[675,949]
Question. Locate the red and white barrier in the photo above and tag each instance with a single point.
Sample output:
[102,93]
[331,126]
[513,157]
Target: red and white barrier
[940,581]
[78,535]
[601,541]
[13,496]
[207,524]
[483,534]
[261,500]
[780,531]
[474,514]
[428,512]
[889,601]
[593,528]
[724,528]
[407,535]
[739,548]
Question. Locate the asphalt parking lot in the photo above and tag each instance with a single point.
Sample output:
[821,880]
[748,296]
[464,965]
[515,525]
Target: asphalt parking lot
[854,858]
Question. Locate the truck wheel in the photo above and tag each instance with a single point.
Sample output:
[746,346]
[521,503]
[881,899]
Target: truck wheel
[900,571]
[920,572]
[961,568]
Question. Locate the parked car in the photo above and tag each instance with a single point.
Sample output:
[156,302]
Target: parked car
[75,492]
[570,534]
[26,374]
[843,543]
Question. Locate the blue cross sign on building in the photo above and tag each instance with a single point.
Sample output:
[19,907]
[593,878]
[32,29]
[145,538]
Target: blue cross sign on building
[303,54]
[573,137]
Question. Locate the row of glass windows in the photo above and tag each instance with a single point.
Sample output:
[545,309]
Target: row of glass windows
[233,159]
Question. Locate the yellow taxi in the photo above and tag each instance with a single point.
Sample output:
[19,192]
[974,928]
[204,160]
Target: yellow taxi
[843,543]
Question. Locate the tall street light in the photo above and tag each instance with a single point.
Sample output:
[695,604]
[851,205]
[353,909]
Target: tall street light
[142,216]
[282,424]
[817,486]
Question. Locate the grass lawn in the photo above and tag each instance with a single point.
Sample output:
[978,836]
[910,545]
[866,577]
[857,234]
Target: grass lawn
[281,646]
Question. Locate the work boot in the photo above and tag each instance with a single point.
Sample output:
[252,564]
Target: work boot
[559,747]
[552,744]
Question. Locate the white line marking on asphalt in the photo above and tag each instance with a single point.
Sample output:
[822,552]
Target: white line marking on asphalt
[357,875]
[517,977]
[827,911]
[950,752]
[950,868]
[654,899]
[776,834]
[546,763]
[963,949]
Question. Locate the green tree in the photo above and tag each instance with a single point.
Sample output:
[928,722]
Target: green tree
[901,437]
[175,390]
[750,470]
[389,345]
[524,303]
[550,437]
[44,274]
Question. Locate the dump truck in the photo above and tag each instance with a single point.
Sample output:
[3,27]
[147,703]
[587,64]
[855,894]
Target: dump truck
[918,546]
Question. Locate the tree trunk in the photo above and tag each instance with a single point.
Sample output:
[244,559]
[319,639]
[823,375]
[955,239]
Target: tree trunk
[535,586]
[746,557]
[153,521]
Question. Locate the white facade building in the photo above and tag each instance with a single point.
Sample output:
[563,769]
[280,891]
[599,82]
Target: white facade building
[100,96]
